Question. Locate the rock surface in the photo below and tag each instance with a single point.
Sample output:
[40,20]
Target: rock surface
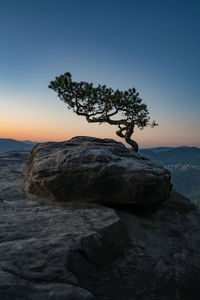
[95,170]
[37,240]
[57,251]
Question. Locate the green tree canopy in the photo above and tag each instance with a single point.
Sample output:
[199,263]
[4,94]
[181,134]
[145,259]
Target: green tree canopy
[101,104]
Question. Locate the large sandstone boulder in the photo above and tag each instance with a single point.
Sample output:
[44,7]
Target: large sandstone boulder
[96,170]
[54,251]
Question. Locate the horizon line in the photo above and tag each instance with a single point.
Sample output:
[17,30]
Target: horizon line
[145,147]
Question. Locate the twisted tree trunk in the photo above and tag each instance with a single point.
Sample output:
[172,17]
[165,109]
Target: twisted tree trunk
[127,137]
[129,129]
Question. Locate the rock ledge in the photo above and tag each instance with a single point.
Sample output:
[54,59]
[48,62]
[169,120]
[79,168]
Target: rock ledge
[87,169]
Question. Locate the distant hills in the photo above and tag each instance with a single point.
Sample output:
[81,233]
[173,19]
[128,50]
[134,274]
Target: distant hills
[173,155]
[159,149]
[184,165]
[10,145]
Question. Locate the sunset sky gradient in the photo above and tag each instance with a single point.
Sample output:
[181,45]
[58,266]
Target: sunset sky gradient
[151,45]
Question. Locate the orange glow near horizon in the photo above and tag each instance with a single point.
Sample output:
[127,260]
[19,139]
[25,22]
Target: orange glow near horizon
[146,138]
[32,133]
[36,122]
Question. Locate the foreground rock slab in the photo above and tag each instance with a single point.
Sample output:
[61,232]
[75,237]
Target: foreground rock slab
[36,241]
[95,170]
[59,251]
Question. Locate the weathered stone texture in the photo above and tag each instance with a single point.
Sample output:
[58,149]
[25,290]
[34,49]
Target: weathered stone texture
[95,170]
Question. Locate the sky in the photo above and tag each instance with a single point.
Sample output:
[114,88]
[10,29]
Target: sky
[153,46]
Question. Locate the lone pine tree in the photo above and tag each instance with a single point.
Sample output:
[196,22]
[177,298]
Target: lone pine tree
[100,104]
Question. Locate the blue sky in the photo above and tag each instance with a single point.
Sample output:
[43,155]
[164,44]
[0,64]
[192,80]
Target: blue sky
[152,45]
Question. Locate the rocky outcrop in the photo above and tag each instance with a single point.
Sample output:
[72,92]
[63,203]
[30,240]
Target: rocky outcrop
[161,263]
[95,170]
[36,241]
[86,251]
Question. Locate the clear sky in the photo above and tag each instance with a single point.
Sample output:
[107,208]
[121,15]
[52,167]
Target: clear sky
[151,45]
